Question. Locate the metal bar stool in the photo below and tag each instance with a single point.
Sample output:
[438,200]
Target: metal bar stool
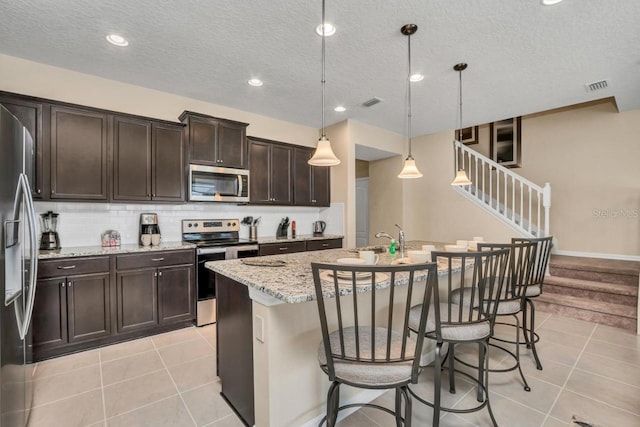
[511,301]
[543,253]
[364,316]
[450,323]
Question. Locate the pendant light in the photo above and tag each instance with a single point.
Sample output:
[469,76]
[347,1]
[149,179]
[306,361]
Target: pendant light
[409,170]
[461,175]
[323,156]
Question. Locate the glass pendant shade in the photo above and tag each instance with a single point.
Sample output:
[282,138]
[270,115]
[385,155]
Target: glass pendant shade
[461,178]
[409,170]
[323,156]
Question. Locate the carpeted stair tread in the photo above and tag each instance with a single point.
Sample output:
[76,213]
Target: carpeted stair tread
[599,265]
[619,310]
[612,288]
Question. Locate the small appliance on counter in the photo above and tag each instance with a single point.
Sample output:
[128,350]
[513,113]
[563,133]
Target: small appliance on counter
[149,229]
[283,228]
[110,239]
[318,228]
[49,239]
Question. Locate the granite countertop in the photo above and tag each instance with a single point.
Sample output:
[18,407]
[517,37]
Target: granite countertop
[299,238]
[293,283]
[80,251]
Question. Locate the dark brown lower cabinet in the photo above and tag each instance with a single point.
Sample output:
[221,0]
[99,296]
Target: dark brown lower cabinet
[136,298]
[71,309]
[175,293]
[87,302]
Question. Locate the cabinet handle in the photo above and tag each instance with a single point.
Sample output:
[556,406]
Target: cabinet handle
[39,191]
[324,245]
[62,284]
[155,274]
[157,259]
[69,284]
[53,191]
[160,273]
[283,249]
[153,194]
[66,267]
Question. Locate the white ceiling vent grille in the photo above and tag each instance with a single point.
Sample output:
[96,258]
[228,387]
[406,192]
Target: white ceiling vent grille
[371,102]
[595,86]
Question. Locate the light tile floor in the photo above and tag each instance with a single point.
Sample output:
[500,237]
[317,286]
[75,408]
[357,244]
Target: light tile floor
[165,380]
[590,370]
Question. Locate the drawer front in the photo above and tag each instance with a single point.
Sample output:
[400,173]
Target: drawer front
[282,248]
[73,266]
[318,245]
[154,259]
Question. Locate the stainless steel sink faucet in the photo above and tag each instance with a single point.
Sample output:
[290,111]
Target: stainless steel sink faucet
[401,239]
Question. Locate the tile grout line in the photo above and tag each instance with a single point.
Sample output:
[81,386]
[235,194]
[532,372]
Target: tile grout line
[65,398]
[608,378]
[555,401]
[104,404]
[176,386]
[205,338]
[604,403]
[141,407]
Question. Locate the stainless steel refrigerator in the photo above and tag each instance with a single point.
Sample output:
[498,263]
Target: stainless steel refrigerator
[19,264]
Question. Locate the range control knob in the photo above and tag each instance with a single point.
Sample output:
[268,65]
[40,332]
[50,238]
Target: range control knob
[195,224]
[234,224]
[189,225]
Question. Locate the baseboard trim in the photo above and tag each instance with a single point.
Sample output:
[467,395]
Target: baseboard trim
[597,255]
[364,396]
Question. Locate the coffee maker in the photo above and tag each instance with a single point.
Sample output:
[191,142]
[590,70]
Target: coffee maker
[148,224]
[49,239]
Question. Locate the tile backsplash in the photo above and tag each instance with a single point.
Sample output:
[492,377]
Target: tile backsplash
[81,224]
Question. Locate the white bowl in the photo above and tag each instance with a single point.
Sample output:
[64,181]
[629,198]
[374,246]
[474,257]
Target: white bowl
[351,261]
[455,248]
[463,243]
[419,256]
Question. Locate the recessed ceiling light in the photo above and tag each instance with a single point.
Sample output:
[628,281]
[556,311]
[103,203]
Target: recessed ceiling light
[255,82]
[117,40]
[329,29]
[417,77]
[550,2]
[340,109]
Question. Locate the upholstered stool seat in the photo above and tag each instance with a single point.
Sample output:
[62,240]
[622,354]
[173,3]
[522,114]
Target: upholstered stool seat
[371,374]
[455,332]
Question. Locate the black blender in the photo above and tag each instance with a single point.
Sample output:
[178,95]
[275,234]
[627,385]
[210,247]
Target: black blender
[49,239]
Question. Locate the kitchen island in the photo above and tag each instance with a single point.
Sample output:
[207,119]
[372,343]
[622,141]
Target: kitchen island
[268,336]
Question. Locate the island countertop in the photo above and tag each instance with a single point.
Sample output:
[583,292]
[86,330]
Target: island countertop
[293,282]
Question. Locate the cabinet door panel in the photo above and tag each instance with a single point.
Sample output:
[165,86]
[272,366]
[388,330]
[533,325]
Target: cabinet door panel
[88,307]
[30,115]
[231,140]
[49,321]
[302,176]
[260,171]
[281,158]
[175,293]
[136,297]
[321,186]
[132,160]
[202,140]
[168,163]
[78,154]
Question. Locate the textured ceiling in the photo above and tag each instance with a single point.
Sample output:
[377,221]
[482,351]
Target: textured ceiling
[523,57]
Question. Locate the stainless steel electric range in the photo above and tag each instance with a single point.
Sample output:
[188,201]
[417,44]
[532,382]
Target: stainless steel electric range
[216,240]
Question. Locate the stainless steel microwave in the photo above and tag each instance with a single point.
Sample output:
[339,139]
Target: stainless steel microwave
[216,184]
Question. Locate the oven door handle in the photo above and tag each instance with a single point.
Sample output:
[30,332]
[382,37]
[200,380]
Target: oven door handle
[207,251]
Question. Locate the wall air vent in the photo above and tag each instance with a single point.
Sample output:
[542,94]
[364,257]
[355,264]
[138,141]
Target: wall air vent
[371,102]
[595,86]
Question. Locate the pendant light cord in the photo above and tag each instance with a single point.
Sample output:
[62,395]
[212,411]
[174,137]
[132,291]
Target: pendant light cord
[323,73]
[409,94]
[460,106]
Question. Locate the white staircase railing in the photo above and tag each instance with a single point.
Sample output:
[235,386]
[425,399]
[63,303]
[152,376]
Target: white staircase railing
[512,199]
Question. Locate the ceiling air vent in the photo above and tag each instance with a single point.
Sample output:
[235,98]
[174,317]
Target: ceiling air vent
[371,102]
[599,85]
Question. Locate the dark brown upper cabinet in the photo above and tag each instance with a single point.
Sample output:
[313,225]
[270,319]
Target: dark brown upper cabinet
[30,115]
[270,165]
[148,160]
[214,141]
[311,184]
[78,157]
